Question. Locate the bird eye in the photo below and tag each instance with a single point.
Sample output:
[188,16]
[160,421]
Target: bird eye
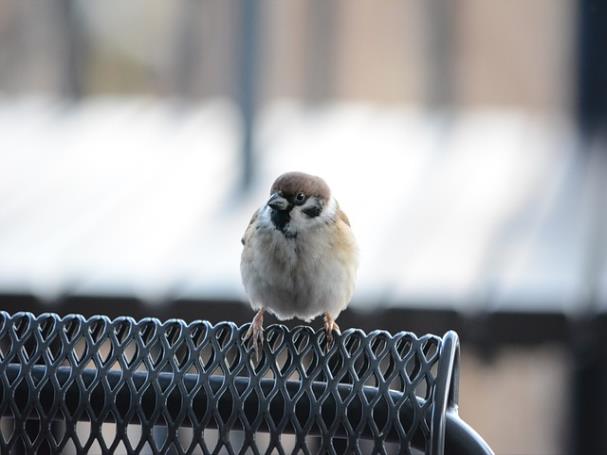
[300,197]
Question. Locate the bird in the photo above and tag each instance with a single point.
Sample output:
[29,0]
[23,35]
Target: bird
[299,256]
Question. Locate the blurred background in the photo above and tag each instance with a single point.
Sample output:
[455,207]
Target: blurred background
[465,140]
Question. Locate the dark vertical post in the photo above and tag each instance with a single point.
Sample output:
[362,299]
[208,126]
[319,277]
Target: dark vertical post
[591,81]
[440,36]
[589,388]
[247,93]
[589,376]
[74,49]
[187,50]
[319,53]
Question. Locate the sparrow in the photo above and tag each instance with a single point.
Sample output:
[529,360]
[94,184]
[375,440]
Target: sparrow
[299,257]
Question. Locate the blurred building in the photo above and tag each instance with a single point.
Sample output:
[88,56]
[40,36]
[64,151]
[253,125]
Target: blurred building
[448,130]
[514,55]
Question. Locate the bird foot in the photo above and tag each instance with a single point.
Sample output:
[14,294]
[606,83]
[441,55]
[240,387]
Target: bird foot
[330,327]
[255,333]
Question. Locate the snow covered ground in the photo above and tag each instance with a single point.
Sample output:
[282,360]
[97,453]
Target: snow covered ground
[142,198]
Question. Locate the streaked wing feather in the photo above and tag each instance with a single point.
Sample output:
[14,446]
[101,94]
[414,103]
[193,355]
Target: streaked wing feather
[342,216]
[253,218]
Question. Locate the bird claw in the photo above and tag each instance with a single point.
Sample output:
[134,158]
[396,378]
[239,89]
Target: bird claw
[255,338]
[254,334]
[330,327]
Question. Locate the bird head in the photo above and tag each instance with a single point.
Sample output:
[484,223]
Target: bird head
[298,201]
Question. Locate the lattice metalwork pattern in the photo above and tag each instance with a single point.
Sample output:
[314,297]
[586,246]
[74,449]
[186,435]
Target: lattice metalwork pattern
[76,385]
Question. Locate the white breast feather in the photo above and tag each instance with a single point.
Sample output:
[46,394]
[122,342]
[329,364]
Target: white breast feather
[305,276]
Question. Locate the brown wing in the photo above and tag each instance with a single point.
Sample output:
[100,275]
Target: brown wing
[342,216]
[253,218]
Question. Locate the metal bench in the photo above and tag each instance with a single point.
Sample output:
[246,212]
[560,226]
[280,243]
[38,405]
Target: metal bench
[76,385]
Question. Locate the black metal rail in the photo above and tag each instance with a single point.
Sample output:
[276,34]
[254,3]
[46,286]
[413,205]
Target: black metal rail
[378,387]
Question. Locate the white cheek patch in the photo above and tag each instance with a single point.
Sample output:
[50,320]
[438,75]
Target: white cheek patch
[328,214]
[312,208]
[299,220]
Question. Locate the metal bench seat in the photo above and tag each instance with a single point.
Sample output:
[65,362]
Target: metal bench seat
[76,385]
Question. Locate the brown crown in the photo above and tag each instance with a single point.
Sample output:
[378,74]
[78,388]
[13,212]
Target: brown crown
[291,183]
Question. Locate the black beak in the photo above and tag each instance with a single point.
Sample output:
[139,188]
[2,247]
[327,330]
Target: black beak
[277,202]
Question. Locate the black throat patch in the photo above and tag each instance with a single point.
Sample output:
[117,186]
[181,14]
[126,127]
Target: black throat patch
[280,218]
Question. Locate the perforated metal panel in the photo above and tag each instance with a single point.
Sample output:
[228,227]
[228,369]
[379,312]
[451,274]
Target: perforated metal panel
[76,385]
